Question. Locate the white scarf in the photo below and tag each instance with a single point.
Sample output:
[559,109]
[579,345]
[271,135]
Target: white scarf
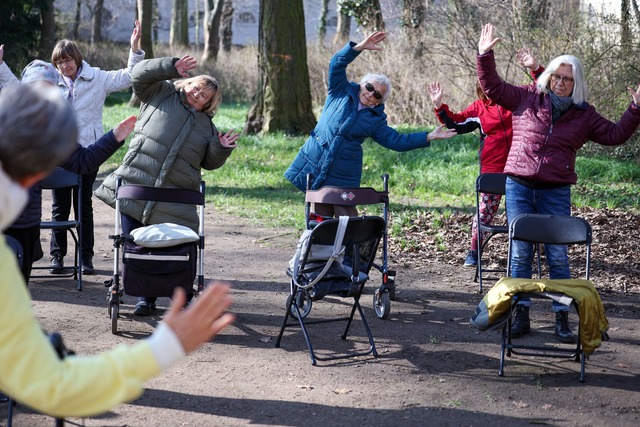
[13,199]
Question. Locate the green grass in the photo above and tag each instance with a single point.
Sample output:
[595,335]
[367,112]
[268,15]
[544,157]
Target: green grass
[251,184]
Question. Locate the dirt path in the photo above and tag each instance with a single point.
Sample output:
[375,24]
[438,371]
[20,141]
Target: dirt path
[432,369]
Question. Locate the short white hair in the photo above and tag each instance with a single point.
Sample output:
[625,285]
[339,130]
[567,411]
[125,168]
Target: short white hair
[378,78]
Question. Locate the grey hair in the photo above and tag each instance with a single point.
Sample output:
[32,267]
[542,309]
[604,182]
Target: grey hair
[580,92]
[378,78]
[39,130]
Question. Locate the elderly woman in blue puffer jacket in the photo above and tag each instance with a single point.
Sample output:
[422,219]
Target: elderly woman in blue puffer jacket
[352,112]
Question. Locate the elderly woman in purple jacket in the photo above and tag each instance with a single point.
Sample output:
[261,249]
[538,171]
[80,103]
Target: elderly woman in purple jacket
[551,121]
[352,112]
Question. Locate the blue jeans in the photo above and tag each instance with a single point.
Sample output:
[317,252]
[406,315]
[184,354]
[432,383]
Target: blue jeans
[552,201]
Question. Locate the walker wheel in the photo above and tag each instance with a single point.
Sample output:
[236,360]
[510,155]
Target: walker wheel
[382,304]
[304,304]
[114,311]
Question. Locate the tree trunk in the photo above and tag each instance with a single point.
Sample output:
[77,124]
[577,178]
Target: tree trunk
[283,97]
[179,32]
[96,23]
[227,25]
[322,22]
[212,31]
[144,14]
[343,30]
[76,21]
[48,36]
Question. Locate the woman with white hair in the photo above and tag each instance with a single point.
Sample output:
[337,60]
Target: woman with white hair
[551,122]
[352,112]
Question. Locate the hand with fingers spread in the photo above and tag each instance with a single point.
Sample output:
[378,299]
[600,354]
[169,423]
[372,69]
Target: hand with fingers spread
[203,319]
[435,91]
[526,59]
[635,94]
[371,42]
[441,132]
[487,41]
[184,64]
[229,139]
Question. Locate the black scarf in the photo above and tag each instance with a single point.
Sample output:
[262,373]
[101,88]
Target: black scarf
[559,104]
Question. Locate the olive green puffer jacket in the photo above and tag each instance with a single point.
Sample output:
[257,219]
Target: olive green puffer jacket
[170,145]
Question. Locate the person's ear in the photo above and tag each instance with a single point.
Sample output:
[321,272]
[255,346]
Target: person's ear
[30,180]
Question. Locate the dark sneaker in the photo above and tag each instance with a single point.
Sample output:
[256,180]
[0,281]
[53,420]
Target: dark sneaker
[57,264]
[87,266]
[143,308]
[472,258]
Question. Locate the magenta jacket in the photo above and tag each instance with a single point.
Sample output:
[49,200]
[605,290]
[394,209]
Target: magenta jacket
[542,152]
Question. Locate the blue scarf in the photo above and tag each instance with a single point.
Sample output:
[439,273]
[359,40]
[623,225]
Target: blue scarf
[559,104]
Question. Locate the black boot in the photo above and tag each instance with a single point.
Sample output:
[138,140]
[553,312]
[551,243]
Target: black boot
[563,332]
[521,324]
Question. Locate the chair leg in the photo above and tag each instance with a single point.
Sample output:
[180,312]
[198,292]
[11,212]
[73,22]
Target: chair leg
[503,348]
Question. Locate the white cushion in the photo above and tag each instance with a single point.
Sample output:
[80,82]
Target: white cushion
[163,235]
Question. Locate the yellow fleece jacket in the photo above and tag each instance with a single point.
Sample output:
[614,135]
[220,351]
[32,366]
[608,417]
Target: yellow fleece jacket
[593,323]
[32,373]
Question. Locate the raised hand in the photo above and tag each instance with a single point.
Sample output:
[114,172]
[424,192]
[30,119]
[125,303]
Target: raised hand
[1,52]
[184,64]
[371,42]
[635,94]
[435,91]
[441,132]
[526,59]
[135,37]
[203,318]
[229,139]
[124,128]
[487,41]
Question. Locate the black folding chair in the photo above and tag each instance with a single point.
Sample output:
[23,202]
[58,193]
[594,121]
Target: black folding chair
[556,230]
[61,178]
[488,183]
[313,278]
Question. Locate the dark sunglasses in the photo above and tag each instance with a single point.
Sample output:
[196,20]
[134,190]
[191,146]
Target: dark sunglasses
[377,95]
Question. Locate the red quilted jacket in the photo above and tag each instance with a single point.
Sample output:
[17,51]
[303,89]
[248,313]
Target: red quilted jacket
[540,151]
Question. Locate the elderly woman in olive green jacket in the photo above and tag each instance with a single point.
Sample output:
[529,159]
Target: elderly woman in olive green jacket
[174,138]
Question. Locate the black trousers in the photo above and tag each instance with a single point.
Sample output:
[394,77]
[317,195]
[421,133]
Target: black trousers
[29,239]
[61,210]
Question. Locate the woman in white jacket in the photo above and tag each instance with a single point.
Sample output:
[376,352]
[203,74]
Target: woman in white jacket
[86,88]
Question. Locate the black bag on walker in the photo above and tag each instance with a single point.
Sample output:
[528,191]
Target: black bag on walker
[156,272]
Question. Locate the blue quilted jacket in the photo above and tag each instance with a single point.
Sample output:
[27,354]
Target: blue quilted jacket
[333,152]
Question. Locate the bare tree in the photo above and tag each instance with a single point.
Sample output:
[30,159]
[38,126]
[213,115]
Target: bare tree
[322,22]
[343,29]
[213,13]
[227,25]
[76,21]
[96,22]
[283,97]
[48,36]
[179,32]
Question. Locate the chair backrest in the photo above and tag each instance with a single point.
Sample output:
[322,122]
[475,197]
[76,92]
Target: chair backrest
[491,183]
[61,178]
[155,194]
[551,229]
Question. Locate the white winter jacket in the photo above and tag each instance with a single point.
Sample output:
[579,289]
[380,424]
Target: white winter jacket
[91,87]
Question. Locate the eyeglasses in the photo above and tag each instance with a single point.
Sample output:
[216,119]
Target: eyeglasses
[62,62]
[566,80]
[377,95]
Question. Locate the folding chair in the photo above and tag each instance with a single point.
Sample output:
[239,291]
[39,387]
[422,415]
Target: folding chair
[61,178]
[488,183]
[312,278]
[360,196]
[557,230]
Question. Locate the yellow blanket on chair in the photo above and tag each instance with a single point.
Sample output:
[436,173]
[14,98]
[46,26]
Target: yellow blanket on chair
[495,306]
